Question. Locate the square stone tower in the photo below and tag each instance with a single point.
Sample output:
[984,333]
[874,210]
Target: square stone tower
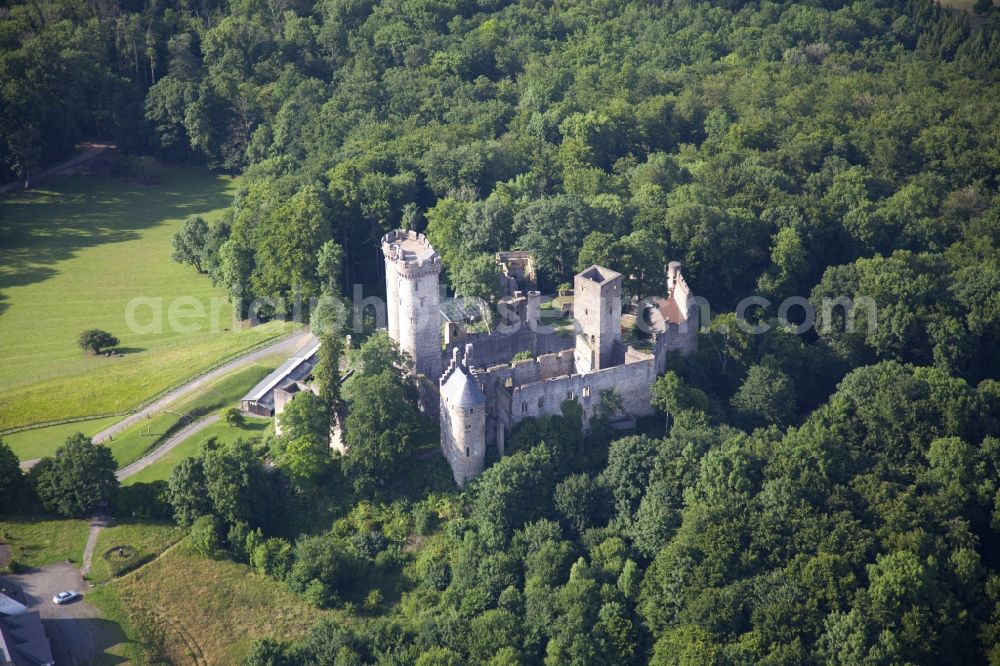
[412,267]
[597,309]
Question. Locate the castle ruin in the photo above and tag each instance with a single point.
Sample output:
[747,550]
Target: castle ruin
[481,394]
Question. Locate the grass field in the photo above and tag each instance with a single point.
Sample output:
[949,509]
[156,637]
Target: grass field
[133,442]
[189,609]
[73,254]
[160,470]
[31,444]
[130,444]
[141,542]
[36,542]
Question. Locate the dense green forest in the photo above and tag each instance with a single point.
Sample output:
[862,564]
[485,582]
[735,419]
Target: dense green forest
[830,498]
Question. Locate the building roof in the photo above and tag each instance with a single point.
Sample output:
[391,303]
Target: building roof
[599,274]
[461,391]
[294,369]
[23,641]
[9,606]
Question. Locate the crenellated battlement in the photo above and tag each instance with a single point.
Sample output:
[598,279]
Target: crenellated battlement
[411,253]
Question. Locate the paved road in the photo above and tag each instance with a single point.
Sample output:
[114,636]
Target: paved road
[289,345]
[76,631]
[162,450]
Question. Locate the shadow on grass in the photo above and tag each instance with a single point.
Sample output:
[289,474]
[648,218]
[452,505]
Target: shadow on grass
[122,351]
[73,638]
[40,228]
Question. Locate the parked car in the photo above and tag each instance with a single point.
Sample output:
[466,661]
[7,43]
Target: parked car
[65,597]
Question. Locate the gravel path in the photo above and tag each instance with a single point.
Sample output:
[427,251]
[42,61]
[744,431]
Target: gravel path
[162,450]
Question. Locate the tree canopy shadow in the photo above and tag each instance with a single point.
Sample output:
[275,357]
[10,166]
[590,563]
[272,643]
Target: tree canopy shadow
[40,228]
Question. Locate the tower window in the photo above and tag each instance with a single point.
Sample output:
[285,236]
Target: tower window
[466,452]
[541,401]
[468,427]
[524,407]
[586,391]
[422,302]
[569,395]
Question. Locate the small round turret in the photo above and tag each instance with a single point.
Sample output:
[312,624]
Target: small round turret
[463,424]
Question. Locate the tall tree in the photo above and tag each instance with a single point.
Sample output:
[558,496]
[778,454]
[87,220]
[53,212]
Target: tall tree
[79,478]
[379,429]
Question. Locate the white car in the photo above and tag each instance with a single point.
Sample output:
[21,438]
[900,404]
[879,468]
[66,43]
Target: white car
[65,597]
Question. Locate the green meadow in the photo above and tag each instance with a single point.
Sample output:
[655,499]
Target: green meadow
[39,442]
[222,431]
[131,443]
[35,542]
[74,254]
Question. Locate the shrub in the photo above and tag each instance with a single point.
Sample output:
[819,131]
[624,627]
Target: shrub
[369,543]
[373,599]
[235,418]
[423,520]
[204,538]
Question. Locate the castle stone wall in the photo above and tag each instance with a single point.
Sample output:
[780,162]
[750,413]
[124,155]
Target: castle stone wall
[633,381]
[491,349]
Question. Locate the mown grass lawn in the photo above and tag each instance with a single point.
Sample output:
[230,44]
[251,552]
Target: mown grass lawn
[133,442]
[183,605]
[125,546]
[160,470]
[35,541]
[32,444]
[73,254]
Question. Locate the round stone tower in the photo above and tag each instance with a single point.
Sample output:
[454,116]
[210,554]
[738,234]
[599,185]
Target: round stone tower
[412,298]
[463,421]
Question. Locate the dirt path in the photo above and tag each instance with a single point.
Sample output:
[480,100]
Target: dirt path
[289,345]
[97,523]
[88,151]
[162,450]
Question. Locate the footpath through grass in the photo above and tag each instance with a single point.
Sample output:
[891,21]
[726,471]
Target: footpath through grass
[73,255]
[35,541]
[186,608]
